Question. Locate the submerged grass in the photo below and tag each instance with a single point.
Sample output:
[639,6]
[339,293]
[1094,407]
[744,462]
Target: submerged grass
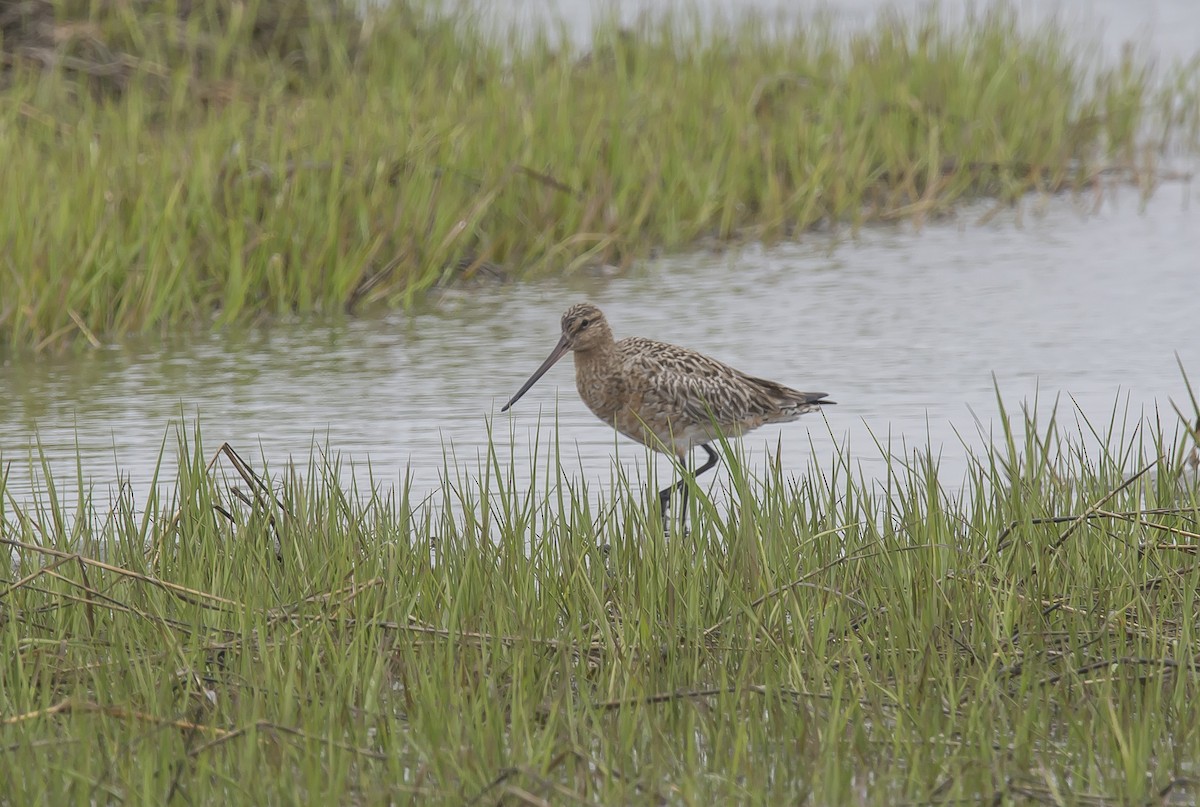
[196,162]
[260,638]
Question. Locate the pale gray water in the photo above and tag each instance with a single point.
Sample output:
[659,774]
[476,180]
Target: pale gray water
[1165,29]
[905,329]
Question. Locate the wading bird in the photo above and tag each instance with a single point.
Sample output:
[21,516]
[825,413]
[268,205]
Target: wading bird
[666,397]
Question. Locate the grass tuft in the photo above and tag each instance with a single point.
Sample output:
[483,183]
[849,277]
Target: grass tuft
[259,635]
[200,163]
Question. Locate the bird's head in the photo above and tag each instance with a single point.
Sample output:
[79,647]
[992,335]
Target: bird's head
[583,328]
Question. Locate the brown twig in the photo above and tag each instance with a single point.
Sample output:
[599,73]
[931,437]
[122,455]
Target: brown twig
[1165,663]
[1062,539]
[189,595]
[1002,541]
[691,694]
[68,705]
[804,581]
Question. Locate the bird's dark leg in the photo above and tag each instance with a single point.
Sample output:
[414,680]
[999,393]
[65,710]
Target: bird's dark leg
[664,495]
[683,487]
[708,463]
[664,500]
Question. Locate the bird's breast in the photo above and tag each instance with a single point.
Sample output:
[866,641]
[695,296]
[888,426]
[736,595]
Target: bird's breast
[600,387]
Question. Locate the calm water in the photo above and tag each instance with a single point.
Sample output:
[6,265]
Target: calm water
[1168,29]
[907,330]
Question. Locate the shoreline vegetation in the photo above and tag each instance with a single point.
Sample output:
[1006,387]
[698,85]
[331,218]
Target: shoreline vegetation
[278,637]
[249,635]
[201,163]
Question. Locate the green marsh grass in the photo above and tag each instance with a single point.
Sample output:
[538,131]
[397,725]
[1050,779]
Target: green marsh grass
[1024,635]
[202,163]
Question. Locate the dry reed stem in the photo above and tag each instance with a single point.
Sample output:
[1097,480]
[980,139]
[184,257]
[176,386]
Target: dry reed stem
[182,592]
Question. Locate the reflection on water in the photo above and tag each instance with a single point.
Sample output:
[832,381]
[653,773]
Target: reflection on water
[906,330]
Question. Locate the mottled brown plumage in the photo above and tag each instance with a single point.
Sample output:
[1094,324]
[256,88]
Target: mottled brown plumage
[666,397]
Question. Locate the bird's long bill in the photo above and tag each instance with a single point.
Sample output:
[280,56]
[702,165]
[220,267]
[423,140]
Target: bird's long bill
[554,356]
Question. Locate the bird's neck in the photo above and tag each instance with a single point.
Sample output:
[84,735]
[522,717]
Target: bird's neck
[601,349]
[600,359]
[598,379]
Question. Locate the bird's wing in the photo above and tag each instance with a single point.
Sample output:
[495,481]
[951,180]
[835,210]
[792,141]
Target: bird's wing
[688,385]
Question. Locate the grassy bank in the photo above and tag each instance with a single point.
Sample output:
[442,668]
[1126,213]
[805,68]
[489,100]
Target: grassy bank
[194,165]
[1030,639]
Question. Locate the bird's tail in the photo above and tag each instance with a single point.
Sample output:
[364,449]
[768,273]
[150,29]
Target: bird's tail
[793,403]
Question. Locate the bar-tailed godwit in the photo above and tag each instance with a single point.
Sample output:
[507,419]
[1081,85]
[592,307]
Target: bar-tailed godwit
[666,397]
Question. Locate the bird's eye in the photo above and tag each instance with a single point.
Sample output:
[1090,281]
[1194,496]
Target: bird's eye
[583,323]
